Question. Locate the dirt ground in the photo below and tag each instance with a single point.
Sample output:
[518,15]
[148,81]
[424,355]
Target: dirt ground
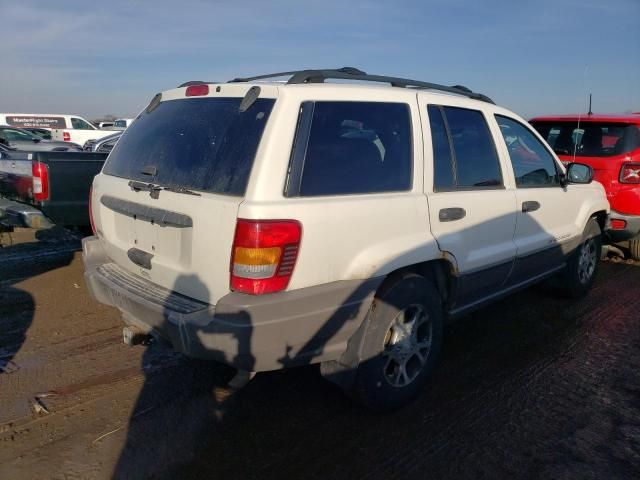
[535,386]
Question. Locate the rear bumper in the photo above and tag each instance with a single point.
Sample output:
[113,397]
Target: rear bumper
[632,228]
[16,214]
[255,333]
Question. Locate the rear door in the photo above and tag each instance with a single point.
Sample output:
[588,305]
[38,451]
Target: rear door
[472,213]
[547,213]
[197,153]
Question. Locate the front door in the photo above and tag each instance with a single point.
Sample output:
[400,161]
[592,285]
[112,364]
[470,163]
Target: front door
[547,211]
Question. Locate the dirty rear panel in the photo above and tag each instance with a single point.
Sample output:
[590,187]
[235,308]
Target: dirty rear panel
[197,153]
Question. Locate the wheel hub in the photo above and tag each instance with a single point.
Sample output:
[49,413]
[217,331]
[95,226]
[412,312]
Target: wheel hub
[407,345]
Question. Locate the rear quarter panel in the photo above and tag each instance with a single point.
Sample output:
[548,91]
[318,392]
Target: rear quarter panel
[344,237]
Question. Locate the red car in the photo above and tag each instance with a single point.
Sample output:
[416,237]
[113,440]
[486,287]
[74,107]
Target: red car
[610,144]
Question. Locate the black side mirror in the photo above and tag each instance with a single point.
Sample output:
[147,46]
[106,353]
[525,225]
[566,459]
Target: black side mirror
[36,140]
[579,173]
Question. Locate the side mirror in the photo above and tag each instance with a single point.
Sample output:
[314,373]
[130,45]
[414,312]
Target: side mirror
[36,140]
[579,173]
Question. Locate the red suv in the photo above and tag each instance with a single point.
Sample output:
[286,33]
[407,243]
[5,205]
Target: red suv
[610,144]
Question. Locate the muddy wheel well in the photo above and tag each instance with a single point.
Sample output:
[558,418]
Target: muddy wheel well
[440,272]
[601,217]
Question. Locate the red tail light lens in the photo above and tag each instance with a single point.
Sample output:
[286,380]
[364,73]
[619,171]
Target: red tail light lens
[630,173]
[617,224]
[264,255]
[40,179]
[197,90]
[93,226]
[66,136]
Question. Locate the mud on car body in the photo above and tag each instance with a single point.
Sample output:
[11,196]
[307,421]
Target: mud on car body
[266,225]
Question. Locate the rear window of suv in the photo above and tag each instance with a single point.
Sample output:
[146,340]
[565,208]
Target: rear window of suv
[203,144]
[590,139]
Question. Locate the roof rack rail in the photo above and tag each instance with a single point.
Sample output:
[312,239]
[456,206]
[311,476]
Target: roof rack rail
[351,73]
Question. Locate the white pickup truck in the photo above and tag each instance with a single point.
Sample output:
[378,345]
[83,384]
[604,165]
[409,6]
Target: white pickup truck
[79,133]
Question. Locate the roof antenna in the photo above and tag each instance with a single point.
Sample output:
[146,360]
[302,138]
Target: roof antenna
[577,130]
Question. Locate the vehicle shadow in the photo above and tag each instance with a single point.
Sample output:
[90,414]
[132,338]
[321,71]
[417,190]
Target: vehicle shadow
[186,424]
[34,254]
[182,400]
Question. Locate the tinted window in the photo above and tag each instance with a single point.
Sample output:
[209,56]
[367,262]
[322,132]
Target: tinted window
[120,123]
[354,147]
[592,139]
[79,124]
[16,135]
[532,163]
[476,160]
[443,178]
[202,144]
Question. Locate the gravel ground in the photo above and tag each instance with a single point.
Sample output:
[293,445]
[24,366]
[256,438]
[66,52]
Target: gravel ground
[534,386]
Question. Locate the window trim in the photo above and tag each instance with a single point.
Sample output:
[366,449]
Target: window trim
[297,158]
[454,160]
[559,172]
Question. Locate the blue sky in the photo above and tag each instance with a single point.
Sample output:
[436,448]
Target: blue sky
[111,57]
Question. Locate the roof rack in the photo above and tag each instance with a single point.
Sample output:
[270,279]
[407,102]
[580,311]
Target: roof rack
[351,73]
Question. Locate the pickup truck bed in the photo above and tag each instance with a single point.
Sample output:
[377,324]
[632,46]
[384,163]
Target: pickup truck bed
[69,177]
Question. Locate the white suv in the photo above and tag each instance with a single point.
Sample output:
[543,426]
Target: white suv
[268,224]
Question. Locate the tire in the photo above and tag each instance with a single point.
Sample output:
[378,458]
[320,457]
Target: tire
[634,247]
[582,266]
[401,343]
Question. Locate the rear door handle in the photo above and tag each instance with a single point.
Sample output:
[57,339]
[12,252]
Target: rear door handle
[530,206]
[452,214]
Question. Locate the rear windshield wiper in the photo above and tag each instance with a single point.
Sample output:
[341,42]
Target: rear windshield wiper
[154,190]
[181,190]
[144,187]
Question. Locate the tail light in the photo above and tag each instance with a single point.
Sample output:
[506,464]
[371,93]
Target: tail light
[66,136]
[40,179]
[630,173]
[197,90]
[617,224]
[264,255]
[93,226]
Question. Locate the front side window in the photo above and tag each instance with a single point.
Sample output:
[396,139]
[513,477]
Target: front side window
[533,165]
[443,176]
[467,145]
[351,148]
[79,124]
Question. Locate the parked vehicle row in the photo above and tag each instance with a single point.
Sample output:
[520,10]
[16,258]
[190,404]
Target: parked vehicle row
[268,225]
[20,139]
[63,128]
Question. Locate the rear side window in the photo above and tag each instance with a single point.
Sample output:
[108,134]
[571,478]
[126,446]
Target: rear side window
[203,144]
[533,165]
[472,153]
[351,148]
[590,139]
